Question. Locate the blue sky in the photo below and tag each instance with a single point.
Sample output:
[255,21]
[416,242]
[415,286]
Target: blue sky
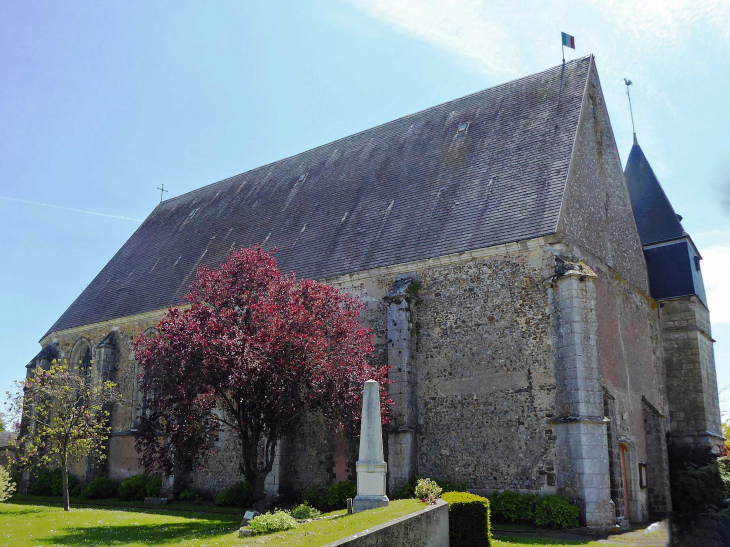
[102,102]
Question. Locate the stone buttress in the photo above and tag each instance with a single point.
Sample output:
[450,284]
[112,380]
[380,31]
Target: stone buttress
[402,449]
[580,426]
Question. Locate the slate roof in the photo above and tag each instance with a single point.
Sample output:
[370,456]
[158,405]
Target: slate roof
[654,214]
[410,189]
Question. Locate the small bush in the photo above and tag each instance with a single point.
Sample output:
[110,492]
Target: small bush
[238,495]
[407,490]
[556,512]
[133,488]
[510,506]
[50,483]
[187,495]
[101,488]
[543,511]
[153,486]
[269,523]
[427,490]
[332,497]
[315,498]
[337,493]
[305,511]
[7,485]
[469,524]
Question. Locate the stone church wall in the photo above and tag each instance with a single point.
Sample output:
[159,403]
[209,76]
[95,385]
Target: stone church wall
[486,384]
[597,216]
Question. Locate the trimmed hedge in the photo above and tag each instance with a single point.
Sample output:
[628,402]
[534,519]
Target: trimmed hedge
[469,522]
[543,511]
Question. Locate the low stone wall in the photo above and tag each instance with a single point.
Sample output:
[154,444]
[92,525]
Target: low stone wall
[426,528]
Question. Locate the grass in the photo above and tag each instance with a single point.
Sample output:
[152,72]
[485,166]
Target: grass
[321,532]
[508,541]
[26,524]
[117,503]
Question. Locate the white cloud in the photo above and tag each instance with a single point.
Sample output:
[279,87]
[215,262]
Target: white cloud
[507,37]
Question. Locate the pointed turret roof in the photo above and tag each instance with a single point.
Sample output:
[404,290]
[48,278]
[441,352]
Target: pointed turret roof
[654,214]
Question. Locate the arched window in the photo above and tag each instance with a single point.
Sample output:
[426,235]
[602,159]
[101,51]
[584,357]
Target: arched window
[81,358]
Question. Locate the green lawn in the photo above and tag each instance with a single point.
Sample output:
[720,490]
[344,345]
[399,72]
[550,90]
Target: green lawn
[24,524]
[507,541]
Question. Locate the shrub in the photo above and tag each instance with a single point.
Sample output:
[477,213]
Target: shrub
[187,495]
[543,511]
[469,524]
[407,490]
[269,523]
[337,493]
[305,511]
[7,485]
[556,512]
[313,497]
[101,488]
[711,529]
[133,488]
[152,486]
[238,495]
[510,506]
[332,497]
[428,491]
[50,483]
[77,491]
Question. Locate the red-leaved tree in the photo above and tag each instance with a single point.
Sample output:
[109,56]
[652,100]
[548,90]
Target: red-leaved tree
[255,351]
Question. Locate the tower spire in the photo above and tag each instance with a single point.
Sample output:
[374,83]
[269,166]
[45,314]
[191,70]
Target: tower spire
[628,83]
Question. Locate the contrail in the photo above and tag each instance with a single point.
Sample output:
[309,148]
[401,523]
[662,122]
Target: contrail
[69,209]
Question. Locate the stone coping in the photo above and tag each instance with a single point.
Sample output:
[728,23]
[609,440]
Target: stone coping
[375,529]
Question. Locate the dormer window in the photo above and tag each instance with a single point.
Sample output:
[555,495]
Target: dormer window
[697,263]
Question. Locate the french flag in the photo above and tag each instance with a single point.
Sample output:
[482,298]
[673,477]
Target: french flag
[568,40]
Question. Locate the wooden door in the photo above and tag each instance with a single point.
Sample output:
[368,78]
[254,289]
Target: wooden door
[623,449]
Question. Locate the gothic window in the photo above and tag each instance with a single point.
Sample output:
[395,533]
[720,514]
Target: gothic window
[81,359]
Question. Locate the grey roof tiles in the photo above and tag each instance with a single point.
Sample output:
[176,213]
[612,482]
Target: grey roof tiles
[410,189]
[654,214]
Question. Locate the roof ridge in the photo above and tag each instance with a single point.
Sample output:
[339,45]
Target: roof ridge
[439,105]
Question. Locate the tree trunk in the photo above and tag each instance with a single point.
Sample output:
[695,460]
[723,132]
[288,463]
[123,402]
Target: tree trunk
[259,496]
[64,477]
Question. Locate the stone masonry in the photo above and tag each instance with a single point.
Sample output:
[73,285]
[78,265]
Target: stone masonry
[580,422]
[690,368]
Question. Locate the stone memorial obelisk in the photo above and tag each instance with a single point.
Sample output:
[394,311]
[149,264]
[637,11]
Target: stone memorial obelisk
[371,466]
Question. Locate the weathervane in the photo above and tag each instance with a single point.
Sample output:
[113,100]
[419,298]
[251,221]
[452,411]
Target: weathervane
[633,128]
[162,191]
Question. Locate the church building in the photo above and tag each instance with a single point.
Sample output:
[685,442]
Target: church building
[541,308]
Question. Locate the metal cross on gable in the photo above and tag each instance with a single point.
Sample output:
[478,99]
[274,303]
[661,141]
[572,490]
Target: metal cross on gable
[162,191]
